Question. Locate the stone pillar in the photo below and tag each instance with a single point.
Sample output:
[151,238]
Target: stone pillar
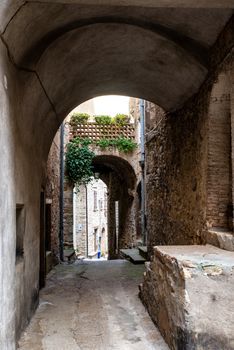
[112,197]
[231,77]
[68,215]
[80,221]
[219,178]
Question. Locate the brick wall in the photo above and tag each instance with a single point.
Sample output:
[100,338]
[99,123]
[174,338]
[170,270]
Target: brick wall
[219,177]
[188,170]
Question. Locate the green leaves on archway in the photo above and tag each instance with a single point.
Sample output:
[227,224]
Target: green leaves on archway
[79,162]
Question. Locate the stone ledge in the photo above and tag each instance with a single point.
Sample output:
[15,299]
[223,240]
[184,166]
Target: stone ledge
[188,291]
[220,239]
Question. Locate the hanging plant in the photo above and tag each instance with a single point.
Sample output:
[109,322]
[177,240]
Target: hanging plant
[123,144]
[79,161]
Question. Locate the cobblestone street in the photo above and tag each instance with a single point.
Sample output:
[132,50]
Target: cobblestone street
[92,305]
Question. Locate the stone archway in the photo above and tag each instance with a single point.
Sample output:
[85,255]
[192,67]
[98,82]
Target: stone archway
[56,55]
[119,172]
[120,178]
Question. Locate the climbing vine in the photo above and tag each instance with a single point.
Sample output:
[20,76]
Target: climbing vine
[79,161]
[123,144]
[79,156]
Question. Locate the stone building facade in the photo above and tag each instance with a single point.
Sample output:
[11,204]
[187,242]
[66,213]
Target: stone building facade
[90,220]
[52,205]
[121,173]
[189,172]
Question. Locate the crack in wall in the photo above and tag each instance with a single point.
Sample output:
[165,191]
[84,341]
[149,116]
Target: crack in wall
[28,70]
[13,16]
[192,47]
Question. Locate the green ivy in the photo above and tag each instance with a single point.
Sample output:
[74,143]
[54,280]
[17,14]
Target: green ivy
[103,143]
[123,144]
[79,161]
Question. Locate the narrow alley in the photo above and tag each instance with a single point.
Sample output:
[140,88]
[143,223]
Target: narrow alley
[92,305]
[117,142]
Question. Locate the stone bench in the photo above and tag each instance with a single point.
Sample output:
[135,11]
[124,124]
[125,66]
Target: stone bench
[189,294]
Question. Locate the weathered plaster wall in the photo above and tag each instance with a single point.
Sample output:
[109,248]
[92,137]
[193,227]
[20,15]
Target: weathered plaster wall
[7,205]
[30,169]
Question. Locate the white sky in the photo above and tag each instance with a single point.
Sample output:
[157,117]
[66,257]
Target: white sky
[111,105]
[105,105]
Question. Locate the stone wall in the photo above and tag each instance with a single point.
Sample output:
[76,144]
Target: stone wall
[68,214]
[174,185]
[188,291]
[219,177]
[188,166]
[190,187]
[79,208]
[53,194]
[97,218]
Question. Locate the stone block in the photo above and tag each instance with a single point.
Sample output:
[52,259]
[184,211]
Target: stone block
[220,239]
[188,291]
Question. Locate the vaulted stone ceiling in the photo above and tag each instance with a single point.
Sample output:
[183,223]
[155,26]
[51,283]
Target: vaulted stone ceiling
[157,50]
[105,164]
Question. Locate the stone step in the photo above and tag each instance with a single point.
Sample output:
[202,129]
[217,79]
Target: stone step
[194,285]
[143,252]
[133,255]
[69,255]
[49,262]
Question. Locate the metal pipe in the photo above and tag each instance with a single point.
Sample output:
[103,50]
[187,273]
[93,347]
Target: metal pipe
[142,133]
[61,199]
[142,163]
[87,222]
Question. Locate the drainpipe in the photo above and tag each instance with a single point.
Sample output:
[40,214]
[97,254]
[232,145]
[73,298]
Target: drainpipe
[142,164]
[87,222]
[61,205]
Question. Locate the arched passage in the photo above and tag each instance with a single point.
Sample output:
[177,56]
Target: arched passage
[118,173]
[120,179]
[53,57]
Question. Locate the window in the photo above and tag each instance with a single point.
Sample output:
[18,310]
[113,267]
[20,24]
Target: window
[20,226]
[95,201]
[95,239]
[105,203]
[100,204]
